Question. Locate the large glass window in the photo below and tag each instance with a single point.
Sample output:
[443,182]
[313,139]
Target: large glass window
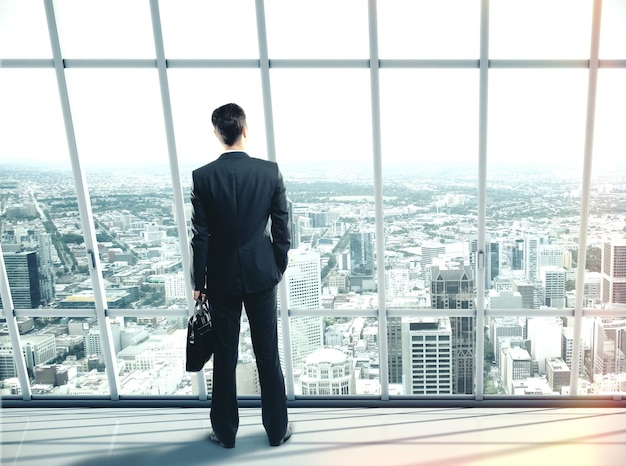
[315,111]
[410,29]
[536,29]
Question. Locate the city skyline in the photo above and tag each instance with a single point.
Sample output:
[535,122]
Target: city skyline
[140,250]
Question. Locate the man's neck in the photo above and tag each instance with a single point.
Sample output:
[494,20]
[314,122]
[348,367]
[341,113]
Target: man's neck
[235,147]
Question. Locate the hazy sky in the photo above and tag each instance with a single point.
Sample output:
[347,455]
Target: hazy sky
[324,115]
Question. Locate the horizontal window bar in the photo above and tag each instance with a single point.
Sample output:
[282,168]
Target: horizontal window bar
[312,63]
[409,312]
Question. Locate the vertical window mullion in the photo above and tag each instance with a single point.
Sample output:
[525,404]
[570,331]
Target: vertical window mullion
[479,353]
[84,209]
[585,191]
[179,202]
[378,199]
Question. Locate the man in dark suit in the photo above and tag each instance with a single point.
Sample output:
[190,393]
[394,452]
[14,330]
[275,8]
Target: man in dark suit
[240,239]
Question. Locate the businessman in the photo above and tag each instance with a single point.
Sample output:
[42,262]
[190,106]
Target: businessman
[240,239]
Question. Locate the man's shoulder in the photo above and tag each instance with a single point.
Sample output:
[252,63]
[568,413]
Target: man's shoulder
[256,162]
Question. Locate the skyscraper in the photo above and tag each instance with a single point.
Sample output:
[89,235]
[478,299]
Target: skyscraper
[427,355]
[454,289]
[492,258]
[46,267]
[295,227]
[23,273]
[304,291]
[531,258]
[614,271]
[553,280]
[362,260]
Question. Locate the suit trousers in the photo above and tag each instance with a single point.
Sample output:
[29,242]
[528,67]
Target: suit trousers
[262,316]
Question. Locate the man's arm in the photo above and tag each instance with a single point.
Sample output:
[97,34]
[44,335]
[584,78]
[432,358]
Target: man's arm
[199,240]
[281,227]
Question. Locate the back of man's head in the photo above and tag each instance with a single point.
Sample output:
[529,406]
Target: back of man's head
[229,121]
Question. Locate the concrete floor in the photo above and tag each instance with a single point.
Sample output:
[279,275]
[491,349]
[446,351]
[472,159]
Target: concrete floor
[322,436]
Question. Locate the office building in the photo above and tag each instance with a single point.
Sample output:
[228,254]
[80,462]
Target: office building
[491,258]
[362,261]
[544,334]
[454,289]
[614,271]
[23,272]
[557,373]
[304,292]
[504,327]
[567,349]
[516,366]
[427,355]
[553,279]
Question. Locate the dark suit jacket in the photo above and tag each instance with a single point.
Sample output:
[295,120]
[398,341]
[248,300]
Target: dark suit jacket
[232,249]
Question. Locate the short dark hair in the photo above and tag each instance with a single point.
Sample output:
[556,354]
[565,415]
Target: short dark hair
[229,120]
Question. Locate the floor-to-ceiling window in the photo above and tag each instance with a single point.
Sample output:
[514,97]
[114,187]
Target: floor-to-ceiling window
[439,157]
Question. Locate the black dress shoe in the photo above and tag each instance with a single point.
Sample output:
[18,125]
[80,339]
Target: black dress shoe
[215,439]
[284,439]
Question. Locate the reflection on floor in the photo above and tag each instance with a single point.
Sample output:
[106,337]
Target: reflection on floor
[351,436]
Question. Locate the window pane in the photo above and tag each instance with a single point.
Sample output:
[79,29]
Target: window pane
[120,137]
[151,356]
[613,29]
[430,153]
[426,29]
[323,121]
[321,29]
[31,118]
[604,362]
[43,243]
[195,94]
[605,338]
[537,117]
[118,117]
[105,29]
[335,356]
[23,30]
[539,29]
[201,29]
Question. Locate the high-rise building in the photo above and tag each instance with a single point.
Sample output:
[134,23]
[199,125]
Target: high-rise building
[553,281]
[614,271]
[454,289]
[517,255]
[427,355]
[530,293]
[175,287]
[491,253]
[46,267]
[531,258]
[551,255]
[516,365]
[295,228]
[430,251]
[557,373]
[362,261]
[304,292]
[615,332]
[503,327]
[592,293]
[23,272]
[394,349]
[36,349]
[567,349]
[544,334]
